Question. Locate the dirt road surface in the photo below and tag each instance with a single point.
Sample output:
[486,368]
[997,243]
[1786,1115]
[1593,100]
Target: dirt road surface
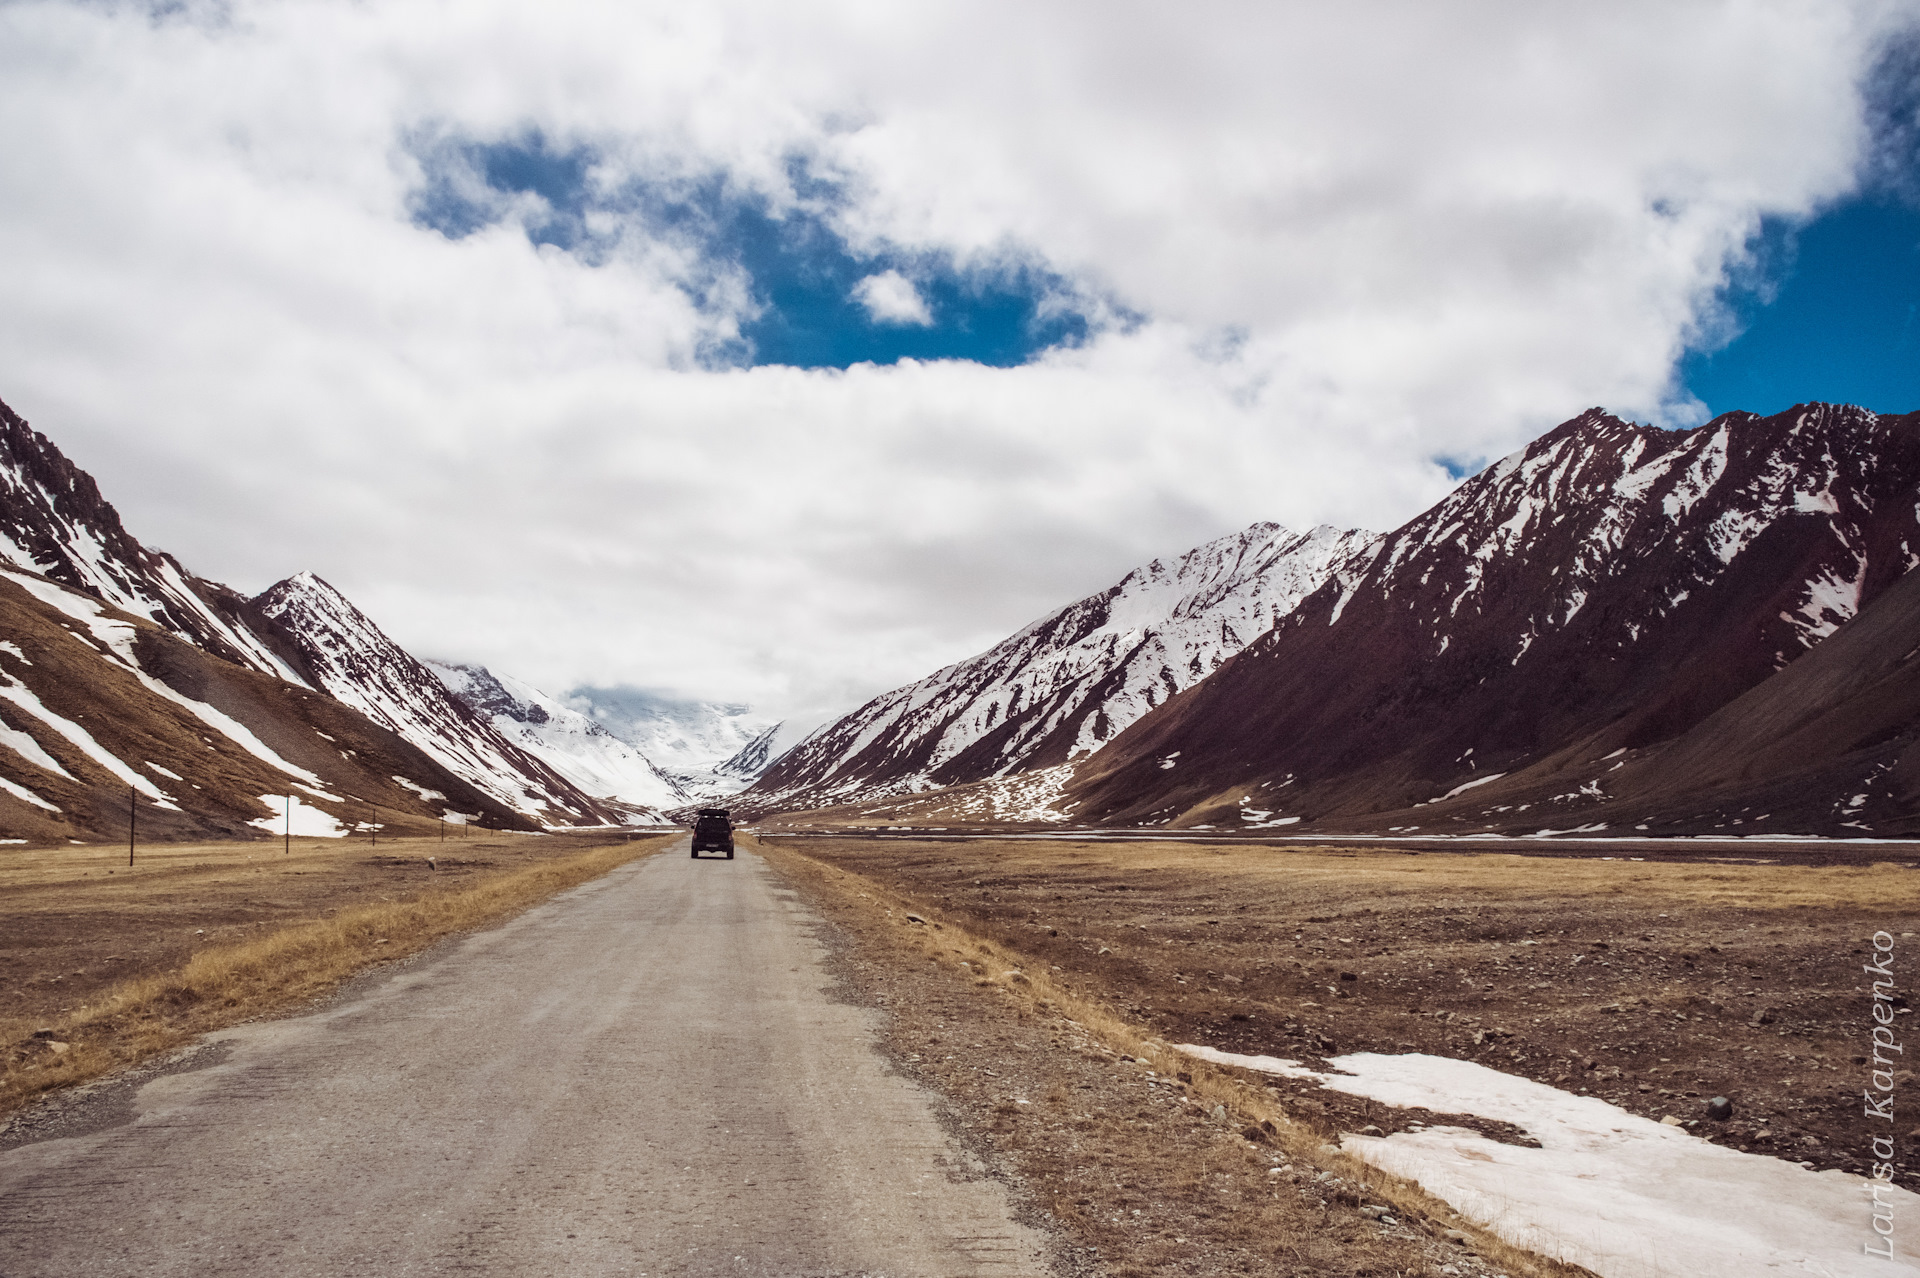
[647,1075]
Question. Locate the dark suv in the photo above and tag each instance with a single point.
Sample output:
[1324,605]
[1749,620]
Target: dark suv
[713,832]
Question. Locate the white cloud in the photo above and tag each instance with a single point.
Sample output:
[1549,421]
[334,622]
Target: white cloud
[1357,238]
[891,298]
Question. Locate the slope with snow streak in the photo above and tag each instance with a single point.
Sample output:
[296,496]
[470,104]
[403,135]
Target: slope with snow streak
[359,666]
[570,743]
[1608,586]
[1619,1194]
[100,708]
[1066,685]
[54,522]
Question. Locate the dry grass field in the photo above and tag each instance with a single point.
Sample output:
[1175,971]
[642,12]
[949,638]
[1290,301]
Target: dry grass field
[1655,985]
[1141,1159]
[102,964]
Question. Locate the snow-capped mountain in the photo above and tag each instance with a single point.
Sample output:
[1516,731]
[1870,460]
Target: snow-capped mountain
[708,749]
[101,709]
[348,657]
[415,748]
[126,681]
[53,521]
[1065,686]
[593,759]
[1603,590]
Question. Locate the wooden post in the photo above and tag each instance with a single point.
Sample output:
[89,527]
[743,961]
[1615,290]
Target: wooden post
[133,815]
[287,850]
[373,826]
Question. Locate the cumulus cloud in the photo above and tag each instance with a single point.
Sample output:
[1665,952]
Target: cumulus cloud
[891,298]
[1315,251]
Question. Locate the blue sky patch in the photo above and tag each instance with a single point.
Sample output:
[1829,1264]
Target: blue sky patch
[806,281]
[1834,312]
[1834,317]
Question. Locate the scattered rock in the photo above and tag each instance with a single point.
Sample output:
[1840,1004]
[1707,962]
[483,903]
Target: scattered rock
[1671,1121]
[1371,1130]
[1719,1109]
[1455,1235]
[1375,1210]
[1253,1134]
[43,1033]
[1762,1017]
[915,918]
[1349,976]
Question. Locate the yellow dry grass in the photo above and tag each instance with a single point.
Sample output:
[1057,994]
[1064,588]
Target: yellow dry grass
[224,984]
[1028,983]
[1347,872]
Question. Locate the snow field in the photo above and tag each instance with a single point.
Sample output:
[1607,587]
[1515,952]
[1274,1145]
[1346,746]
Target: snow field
[1622,1195]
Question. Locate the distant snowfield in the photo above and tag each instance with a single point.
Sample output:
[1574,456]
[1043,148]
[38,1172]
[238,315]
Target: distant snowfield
[1622,1195]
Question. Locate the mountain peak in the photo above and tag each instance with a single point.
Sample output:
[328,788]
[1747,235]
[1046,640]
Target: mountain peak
[1061,688]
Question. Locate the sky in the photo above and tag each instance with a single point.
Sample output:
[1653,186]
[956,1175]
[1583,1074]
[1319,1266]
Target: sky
[779,354]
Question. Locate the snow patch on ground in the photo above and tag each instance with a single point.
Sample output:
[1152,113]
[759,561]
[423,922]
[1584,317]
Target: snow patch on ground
[307,822]
[1622,1195]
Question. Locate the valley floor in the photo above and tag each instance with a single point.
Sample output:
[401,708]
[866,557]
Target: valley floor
[1652,985]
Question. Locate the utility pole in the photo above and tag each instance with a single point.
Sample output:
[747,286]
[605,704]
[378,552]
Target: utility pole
[133,815]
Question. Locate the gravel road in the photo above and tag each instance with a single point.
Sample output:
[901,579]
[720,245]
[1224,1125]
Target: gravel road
[646,1075]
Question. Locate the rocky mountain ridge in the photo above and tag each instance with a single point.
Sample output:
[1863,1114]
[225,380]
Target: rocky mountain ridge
[1066,685]
[123,637]
[586,754]
[1602,592]
[1580,638]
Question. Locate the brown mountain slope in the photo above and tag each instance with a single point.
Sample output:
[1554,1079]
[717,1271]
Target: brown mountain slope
[98,706]
[1829,744]
[1609,587]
